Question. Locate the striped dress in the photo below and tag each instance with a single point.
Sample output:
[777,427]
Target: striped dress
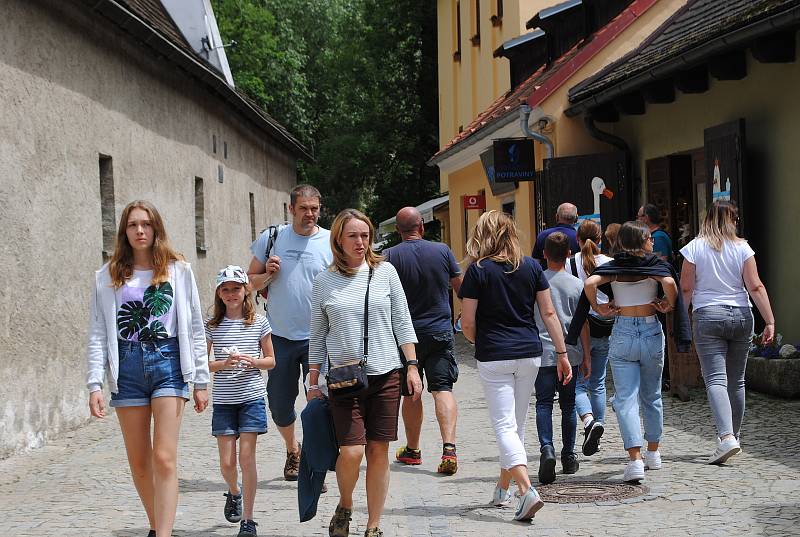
[337,319]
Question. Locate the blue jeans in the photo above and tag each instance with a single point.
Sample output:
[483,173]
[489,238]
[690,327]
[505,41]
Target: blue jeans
[722,337]
[636,353]
[291,357]
[546,385]
[149,369]
[233,419]
[590,394]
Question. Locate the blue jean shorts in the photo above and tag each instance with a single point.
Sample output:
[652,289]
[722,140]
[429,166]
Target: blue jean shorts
[149,369]
[247,417]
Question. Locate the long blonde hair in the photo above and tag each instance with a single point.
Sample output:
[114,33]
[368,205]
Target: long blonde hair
[337,230]
[248,308]
[589,234]
[495,237]
[720,224]
[121,265]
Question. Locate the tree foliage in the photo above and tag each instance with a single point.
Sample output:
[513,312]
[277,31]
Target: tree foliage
[355,80]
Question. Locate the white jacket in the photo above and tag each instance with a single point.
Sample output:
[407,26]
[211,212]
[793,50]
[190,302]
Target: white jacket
[102,354]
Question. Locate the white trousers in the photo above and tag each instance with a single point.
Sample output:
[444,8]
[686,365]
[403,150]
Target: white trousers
[508,385]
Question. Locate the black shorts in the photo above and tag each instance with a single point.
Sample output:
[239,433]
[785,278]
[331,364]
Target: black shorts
[437,361]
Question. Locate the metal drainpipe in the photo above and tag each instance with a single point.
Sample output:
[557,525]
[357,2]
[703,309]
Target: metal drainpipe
[524,115]
[617,142]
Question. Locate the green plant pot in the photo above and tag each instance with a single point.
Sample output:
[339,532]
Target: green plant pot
[774,376]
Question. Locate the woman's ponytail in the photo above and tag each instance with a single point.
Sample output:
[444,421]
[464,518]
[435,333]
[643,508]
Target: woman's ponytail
[589,235]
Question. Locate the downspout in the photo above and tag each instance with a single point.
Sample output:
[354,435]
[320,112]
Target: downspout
[524,115]
[617,142]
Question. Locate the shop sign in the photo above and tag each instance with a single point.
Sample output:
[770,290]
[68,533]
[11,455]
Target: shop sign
[474,201]
[513,160]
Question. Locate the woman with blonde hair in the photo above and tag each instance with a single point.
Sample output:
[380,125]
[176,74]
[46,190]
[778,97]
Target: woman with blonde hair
[500,291]
[590,390]
[719,270]
[146,316]
[359,309]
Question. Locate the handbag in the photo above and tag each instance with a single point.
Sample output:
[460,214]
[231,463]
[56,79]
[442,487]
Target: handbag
[598,326]
[350,378]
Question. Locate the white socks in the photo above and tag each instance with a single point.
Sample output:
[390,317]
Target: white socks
[587,420]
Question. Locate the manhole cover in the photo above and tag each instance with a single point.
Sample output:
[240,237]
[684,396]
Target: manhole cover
[589,491]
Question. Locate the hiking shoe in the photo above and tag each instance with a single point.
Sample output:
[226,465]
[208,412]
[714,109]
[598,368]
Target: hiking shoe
[634,471]
[340,522]
[725,450]
[569,463]
[373,532]
[449,464]
[248,529]
[529,503]
[291,469]
[233,507]
[500,498]
[547,465]
[652,459]
[409,456]
[591,438]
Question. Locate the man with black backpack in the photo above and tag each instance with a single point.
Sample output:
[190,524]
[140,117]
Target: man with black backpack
[286,259]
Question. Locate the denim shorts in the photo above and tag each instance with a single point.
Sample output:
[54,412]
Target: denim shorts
[247,417]
[149,369]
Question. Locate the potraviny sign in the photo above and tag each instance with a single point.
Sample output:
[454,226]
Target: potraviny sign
[513,160]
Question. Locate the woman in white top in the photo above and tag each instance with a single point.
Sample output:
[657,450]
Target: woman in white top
[365,422]
[146,316]
[719,270]
[590,389]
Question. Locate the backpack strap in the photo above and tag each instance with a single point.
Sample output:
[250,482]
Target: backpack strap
[573,267]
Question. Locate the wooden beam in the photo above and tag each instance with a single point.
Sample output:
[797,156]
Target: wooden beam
[729,66]
[605,113]
[693,80]
[659,92]
[776,48]
[630,103]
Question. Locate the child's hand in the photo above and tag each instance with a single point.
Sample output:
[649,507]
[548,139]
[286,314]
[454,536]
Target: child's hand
[245,360]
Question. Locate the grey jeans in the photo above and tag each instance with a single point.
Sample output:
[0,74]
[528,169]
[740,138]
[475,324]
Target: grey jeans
[722,336]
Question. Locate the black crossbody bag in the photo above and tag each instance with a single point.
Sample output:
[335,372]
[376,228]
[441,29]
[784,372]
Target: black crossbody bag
[350,378]
[598,326]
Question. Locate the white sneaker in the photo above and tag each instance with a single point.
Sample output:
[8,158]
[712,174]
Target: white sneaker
[652,460]
[529,504]
[501,497]
[725,450]
[634,471]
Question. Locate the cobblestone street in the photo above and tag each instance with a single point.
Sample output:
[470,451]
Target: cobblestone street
[80,485]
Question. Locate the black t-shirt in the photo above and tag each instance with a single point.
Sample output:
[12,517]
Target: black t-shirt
[506,328]
[425,269]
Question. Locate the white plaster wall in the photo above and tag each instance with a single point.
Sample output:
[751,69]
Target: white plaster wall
[72,88]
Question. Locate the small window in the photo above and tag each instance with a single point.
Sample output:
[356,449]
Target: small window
[199,216]
[497,19]
[225,149]
[509,207]
[476,38]
[285,212]
[107,217]
[252,218]
[220,173]
[214,143]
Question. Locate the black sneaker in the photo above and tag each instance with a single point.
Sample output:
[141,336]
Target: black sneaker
[248,529]
[547,465]
[151,533]
[569,463]
[233,507]
[591,437]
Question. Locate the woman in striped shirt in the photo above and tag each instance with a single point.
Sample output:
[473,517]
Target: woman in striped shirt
[366,422]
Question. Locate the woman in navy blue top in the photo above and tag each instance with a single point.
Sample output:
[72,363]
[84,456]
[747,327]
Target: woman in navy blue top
[499,292]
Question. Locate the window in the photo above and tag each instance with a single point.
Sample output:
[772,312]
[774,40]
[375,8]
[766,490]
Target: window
[220,173]
[225,149]
[476,38]
[199,216]
[107,218]
[214,143]
[285,212]
[497,19]
[252,218]
[457,53]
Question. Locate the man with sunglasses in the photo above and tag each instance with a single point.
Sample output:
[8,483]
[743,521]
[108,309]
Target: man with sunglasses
[650,215]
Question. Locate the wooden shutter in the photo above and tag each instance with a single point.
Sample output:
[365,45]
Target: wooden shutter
[569,179]
[725,148]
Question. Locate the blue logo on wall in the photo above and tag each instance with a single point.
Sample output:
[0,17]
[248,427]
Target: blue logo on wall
[513,160]
[513,154]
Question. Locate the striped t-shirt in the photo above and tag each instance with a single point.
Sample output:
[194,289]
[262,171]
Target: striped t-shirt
[337,319]
[234,386]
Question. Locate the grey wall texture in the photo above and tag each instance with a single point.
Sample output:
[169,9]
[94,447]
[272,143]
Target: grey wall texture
[72,91]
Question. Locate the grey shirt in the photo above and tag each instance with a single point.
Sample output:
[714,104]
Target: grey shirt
[565,290]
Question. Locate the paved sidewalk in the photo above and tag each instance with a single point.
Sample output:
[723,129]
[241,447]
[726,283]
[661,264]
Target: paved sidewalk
[80,485]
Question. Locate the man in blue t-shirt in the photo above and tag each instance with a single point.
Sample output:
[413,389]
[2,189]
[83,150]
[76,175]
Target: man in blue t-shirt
[650,215]
[566,218]
[427,270]
[300,251]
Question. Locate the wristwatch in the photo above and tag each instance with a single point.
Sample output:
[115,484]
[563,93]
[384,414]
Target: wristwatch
[412,362]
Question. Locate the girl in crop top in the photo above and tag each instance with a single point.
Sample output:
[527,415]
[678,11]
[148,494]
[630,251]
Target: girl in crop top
[636,348]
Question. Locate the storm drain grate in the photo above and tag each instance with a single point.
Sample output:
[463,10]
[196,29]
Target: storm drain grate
[590,491]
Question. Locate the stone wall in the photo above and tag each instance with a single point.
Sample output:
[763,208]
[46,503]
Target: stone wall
[75,94]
